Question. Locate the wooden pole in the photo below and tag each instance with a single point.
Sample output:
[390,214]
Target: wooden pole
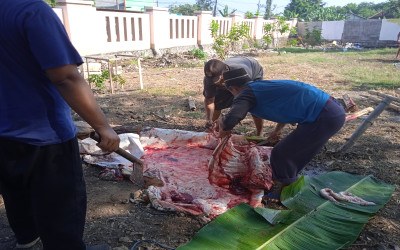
[366,124]
[88,73]
[396,99]
[192,105]
[378,100]
[110,76]
[139,66]
[140,73]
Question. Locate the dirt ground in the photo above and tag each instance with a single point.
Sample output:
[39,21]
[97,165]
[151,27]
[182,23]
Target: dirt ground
[168,81]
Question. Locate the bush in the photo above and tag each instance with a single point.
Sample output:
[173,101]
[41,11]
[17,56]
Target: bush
[99,80]
[198,53]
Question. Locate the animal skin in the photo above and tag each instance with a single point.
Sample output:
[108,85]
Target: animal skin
[328,194]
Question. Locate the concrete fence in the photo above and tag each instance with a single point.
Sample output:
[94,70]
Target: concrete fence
[94,31]
[367,33]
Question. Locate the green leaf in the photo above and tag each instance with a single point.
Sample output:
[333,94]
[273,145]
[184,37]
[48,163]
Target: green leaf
[310,222]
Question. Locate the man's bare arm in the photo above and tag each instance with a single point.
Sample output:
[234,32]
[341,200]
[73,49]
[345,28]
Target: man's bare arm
[78,95]
[209,107]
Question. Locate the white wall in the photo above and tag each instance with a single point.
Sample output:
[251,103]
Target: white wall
[390,29]
[332,30]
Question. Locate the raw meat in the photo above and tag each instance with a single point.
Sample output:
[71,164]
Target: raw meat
[195,180]
[181,172]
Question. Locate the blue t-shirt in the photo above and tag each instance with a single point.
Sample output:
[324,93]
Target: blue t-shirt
[33,39]
[281,101]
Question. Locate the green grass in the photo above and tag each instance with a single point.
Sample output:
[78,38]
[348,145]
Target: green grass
[189,93]
[194,115]
[369,69]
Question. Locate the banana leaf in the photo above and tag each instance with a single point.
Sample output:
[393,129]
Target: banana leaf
[310,222]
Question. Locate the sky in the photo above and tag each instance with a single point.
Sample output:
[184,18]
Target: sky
[243,6]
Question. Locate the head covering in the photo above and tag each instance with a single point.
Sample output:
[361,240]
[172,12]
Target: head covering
[236,77]
[213,69]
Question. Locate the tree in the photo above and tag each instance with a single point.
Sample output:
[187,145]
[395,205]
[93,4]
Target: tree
[325,14]
[268,12]
[302,8]
[204,4]
[392,9]
[224,43]
[272,31]
[225,12]
[248,15]
[186,9]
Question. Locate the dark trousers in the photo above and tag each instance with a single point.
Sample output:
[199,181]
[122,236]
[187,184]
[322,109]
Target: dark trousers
[44,193]
[293,152]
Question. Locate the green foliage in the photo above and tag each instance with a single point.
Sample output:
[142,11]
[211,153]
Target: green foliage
[99,80]
[313,37]
[205,4]
[225,12]
[198,53]
[268,9]
[313,10]
[302,8]
[272,31]
[184,9]
[52,3]
[248,15]
[223,43]
[325,14]
[292,42]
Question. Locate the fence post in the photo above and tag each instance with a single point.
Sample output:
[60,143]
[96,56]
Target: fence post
[235,18]
[258,27]
[203,27]
[159,27]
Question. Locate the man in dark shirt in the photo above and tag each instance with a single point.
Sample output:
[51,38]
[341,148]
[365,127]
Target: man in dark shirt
[216,96]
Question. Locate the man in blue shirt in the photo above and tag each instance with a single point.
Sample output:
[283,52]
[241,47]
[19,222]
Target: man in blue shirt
[41,176]
[318,115]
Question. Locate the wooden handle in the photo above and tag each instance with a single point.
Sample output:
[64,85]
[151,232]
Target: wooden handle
[119,151]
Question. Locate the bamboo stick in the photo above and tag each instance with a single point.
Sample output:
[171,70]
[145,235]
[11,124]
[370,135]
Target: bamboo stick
[366,124]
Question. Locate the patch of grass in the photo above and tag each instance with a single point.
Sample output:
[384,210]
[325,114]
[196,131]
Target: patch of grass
[192,65]
[194,115]
[298,50]
[160,91]
[189,93]
[369,69]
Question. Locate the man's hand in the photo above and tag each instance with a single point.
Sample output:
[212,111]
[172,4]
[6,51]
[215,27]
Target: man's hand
[109,140]
[218,129]
[209,126]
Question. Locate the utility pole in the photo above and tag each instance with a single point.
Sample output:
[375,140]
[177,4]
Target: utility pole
[215,9]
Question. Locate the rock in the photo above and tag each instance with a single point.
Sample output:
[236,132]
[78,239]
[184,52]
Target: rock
[125,240]
[137,194]
[120,248]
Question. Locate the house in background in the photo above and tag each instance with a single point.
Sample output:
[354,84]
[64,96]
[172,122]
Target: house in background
[352,16]
[130,5]
[379,15]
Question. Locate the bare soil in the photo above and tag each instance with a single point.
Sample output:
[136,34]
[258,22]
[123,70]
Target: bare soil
[168,81]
